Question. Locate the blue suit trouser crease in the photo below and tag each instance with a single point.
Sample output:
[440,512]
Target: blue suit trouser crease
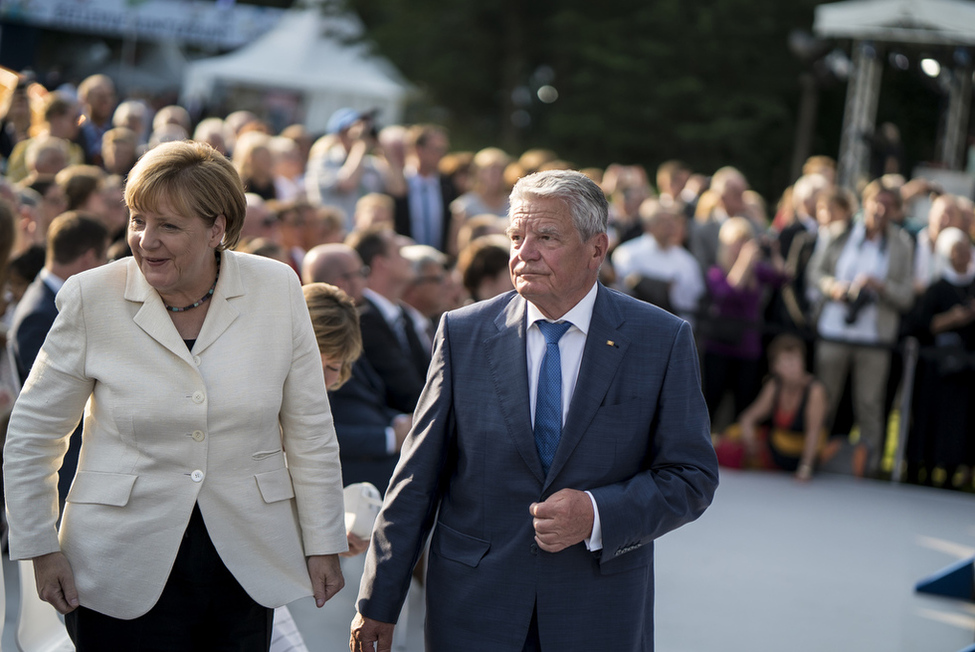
[532,642]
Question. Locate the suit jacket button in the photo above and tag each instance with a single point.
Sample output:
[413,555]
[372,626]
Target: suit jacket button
[198,397]
[534,548]
[196,360]
[198,435]
[197,476]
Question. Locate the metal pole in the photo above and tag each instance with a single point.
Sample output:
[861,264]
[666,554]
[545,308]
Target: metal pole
[956,122]
[806,122]
[907,393]
[860,114]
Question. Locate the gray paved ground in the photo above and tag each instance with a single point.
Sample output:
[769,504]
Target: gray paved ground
[773,566]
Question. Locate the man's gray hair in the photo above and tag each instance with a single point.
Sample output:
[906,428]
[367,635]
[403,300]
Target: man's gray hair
[421,255]
[582,196]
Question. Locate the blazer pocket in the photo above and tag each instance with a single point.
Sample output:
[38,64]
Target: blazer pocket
[629,412]
[98,488]
[457,546]
[638,558]
[275,485]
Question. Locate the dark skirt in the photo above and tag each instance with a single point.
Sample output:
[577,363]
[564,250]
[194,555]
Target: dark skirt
[202,608]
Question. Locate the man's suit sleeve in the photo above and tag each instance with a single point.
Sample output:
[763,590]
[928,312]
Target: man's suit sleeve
[28,340]
[361,416]
[683,470]
[401,215]
[414,493]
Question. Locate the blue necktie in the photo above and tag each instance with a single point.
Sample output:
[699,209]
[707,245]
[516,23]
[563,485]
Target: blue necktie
[548,396]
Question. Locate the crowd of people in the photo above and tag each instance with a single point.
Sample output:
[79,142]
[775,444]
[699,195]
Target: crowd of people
[409,228]
[799,312]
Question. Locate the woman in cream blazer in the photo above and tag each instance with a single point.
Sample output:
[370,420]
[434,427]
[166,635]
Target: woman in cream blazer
[214,410]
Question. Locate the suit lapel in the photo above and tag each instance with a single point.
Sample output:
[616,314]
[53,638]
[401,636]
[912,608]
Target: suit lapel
[508,359]
[605,348]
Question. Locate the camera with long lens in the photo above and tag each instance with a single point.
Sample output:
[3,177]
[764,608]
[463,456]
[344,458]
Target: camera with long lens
[856,302]
[370,117]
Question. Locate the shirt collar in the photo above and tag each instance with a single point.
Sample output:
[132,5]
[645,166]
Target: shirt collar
[579,315]
[51,280]
[389,310]
[414,174]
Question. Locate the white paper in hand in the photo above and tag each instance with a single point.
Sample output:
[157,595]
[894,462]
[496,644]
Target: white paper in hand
[362,503]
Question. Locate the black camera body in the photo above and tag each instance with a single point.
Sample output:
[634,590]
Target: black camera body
[857,303]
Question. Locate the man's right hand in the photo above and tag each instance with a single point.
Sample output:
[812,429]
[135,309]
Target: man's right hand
[366,631]
[401,428]
[55,581]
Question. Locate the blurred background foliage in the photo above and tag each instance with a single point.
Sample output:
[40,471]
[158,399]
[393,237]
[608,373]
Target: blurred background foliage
[712,82]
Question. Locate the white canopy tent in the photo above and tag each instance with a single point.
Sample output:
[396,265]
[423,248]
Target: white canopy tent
[870,24]
[947,22]
[303,53]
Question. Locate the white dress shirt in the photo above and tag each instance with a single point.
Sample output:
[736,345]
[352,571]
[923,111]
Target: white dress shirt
[393,314]
[571,347]
[675,264]
[390,311]
[860,257]
[51,280]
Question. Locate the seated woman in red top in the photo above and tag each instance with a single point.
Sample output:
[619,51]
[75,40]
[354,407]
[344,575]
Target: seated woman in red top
[783,428]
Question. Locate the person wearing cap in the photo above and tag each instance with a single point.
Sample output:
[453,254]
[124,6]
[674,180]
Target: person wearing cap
[340,174]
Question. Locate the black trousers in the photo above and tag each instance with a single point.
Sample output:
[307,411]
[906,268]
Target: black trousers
[202,608]
[722,373]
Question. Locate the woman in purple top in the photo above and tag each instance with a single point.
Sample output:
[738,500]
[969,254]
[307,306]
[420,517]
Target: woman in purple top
[732,340]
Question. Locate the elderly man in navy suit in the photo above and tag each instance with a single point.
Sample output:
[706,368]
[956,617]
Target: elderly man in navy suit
[561,430]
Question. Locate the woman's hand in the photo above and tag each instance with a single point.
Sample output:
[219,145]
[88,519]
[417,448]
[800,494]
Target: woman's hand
[326,577]
[55,581]
[357,546]
[804,473]
[751,253]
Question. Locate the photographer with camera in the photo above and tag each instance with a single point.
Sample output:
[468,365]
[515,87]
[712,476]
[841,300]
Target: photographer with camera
[731,326]
[864,278]
[342,166]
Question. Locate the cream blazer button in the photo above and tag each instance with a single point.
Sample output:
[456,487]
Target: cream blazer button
[197,476]
[198,435]
[196,360]
[198,397]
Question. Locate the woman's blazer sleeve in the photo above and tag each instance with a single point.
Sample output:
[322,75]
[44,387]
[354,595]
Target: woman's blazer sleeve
[44,416]
[309,440]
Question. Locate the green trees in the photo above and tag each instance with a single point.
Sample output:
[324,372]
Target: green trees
[708,81]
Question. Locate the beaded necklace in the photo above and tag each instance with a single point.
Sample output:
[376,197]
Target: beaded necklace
[204,298]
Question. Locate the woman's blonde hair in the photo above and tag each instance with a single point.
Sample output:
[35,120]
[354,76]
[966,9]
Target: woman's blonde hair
[336,323]
[191,179]
[248,144]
